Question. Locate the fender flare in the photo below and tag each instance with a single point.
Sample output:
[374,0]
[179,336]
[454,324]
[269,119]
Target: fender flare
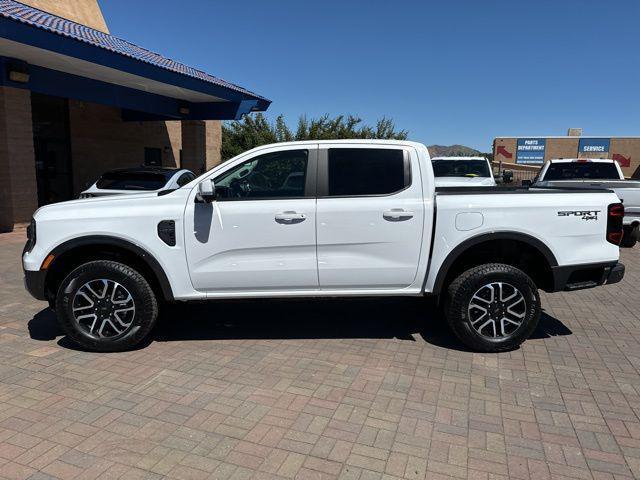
[486,237]
[137,250]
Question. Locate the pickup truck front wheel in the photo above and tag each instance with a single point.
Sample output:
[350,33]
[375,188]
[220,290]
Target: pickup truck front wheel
[493,307]
[106,306]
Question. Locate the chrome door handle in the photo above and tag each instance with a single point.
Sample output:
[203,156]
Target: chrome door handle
[397,215]
[289,218]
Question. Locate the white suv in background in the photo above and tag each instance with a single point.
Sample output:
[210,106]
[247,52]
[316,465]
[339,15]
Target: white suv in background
[139,179]
[463,172]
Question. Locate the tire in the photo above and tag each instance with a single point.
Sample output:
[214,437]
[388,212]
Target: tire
[471,292]
[101,290]
[630,237]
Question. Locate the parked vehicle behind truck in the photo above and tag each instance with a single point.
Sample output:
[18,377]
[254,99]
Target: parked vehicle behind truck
[463,172]
[125,181]
[322,219]
[595,174]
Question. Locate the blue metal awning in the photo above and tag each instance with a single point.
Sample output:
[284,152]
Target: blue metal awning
[59,57]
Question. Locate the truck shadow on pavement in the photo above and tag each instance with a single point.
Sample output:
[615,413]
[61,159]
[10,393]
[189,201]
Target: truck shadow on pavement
[407,319]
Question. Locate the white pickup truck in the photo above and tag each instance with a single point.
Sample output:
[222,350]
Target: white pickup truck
[595,173]
[323,219]
[463,172]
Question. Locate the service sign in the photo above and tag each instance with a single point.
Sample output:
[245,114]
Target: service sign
[594,145]
[530,150]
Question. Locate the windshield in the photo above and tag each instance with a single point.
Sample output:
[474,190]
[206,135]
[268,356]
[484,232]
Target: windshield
[461,168]
[582,170]
[131,181]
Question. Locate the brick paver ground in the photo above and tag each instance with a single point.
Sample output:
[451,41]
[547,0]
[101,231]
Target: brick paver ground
[358,389]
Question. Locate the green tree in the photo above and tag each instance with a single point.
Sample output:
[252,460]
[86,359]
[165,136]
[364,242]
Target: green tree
[255,130]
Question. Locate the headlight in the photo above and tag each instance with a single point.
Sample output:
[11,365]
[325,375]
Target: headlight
[31,237]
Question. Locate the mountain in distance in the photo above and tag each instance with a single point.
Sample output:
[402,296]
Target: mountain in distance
[453,151]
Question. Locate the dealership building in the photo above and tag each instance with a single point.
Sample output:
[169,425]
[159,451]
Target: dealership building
[76,101]
[534,151]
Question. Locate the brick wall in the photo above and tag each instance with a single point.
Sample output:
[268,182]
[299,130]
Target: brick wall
[101,141]
[214,143]
[18,194]
[201,141]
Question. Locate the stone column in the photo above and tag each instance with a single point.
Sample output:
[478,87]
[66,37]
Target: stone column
[201,141]
[214,142]
[193,146]
[19,190]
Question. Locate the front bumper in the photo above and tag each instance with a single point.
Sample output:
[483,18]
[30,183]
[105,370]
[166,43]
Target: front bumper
[34,281]
[578,277]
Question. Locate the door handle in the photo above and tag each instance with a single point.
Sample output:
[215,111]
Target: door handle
[397,215]
[290,218]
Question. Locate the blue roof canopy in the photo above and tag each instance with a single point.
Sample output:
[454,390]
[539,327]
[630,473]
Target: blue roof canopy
[68,59]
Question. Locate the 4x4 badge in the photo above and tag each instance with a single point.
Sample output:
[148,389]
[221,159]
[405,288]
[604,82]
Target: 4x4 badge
[584,214]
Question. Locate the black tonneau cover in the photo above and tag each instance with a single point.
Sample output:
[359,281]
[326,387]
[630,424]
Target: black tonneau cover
[515,190]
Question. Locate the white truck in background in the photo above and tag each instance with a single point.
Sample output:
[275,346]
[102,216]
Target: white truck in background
[595,173]
[321,219]
[463,172]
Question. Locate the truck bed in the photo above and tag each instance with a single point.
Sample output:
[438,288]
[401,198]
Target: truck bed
[593,183]
[518,190]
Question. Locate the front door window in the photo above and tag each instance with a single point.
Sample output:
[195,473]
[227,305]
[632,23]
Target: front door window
[270,176]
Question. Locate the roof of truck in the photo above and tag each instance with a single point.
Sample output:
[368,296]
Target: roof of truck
[458,158]
[585,160]
[167,172]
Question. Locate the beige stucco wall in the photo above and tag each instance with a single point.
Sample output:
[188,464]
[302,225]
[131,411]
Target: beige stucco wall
[561,148]
[626,150]
[86,12]
[504,150]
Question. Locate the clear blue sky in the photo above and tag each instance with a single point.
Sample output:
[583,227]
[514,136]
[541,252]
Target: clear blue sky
[447,71]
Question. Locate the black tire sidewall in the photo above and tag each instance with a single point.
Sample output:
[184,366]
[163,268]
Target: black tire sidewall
[469,283]
[143,297]
[629,237]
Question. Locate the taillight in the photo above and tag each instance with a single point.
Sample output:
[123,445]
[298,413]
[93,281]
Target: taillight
[615,214]
[31,237]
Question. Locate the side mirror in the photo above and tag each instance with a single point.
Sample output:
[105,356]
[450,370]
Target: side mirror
[526,183]
[206,191]
[507,176]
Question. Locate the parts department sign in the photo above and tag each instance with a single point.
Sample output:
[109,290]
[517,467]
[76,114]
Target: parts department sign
[530,151]
[594,145]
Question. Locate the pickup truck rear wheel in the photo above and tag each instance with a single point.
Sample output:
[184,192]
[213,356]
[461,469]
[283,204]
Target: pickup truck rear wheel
[493,307]
[106,306]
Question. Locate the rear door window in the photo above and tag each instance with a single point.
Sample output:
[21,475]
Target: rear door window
[581,170]
[367,171]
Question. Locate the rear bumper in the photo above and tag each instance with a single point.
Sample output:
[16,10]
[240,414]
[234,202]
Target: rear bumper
[34,283]
[578,277]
